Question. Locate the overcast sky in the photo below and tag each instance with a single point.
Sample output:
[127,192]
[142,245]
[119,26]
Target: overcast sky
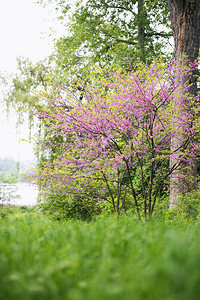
[24,31]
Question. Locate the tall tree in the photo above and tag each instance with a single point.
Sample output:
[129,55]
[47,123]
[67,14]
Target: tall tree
[185,19]
[99,31]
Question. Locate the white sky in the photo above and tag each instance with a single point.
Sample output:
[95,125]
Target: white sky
[24,31]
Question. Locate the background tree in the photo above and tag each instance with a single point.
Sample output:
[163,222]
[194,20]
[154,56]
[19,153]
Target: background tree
[97,32]
[24,87]
[185,19]
[101,31]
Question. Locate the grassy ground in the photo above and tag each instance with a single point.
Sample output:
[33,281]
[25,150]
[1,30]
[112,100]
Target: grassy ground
[103,259]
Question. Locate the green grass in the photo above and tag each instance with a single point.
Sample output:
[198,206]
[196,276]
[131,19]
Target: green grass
[104,259]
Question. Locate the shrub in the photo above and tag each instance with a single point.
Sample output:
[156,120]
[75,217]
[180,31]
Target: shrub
[66,207]
[117,143]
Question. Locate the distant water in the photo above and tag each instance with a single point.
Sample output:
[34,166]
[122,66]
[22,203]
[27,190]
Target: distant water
[18,194]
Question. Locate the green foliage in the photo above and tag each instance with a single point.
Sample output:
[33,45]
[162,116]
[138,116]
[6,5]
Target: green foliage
[191,205]
[22,89]
[106,208]
[106,259]
[7,211]
[187,209]
[62,206]
[102,32]
[98,33]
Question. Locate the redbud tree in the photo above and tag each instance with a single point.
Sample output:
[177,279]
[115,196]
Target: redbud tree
[114,145]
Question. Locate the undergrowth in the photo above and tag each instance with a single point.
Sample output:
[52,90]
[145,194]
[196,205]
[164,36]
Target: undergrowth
[107,258]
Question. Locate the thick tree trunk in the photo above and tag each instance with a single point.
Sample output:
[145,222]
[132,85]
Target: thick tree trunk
[185,19]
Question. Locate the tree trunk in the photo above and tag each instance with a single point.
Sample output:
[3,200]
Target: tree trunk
[141,36]
[185,19]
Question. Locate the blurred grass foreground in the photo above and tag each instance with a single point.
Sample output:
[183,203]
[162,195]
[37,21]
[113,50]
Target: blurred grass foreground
[107,258]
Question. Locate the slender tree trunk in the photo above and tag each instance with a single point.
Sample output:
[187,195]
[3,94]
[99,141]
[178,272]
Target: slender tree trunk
[185,19]
[141,36]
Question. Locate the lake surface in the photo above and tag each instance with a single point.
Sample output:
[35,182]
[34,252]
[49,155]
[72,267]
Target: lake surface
[18,194]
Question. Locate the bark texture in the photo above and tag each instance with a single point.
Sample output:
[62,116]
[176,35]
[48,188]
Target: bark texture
[141,35]
[185,19]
